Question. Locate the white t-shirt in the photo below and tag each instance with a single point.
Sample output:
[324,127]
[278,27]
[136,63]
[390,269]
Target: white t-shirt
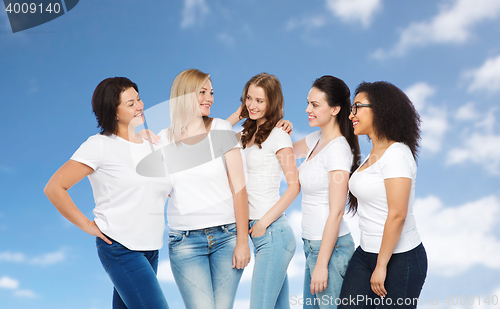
[201,196]
[264,173]
[369,188]
[129,208]
[313,176]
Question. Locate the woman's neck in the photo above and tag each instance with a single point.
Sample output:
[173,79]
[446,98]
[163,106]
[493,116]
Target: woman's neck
[260,121]
[195,127]
[128,134]
[330,131]
[380,143]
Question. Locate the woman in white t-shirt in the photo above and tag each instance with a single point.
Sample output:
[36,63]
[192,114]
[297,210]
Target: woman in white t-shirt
[390,262]
[129,209]
[268,151]
[331,156]
[208,209]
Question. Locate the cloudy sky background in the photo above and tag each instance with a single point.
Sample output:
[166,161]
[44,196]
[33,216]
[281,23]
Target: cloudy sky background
[444,54]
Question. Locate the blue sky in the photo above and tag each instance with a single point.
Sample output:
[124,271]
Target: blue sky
[445,54]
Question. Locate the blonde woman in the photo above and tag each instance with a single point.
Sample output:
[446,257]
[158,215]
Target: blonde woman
[208,210]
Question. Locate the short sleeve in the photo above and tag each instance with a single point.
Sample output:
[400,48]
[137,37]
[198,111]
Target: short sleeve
[339,158]
[90,152]
[398,162]
[312,139]
[223,137]
[279,139]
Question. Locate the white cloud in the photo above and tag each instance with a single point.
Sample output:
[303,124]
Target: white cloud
[165,272]
[434,125]
[353,11]
[227,39]
[480,149]
[49,258]
[457,238]
[419,93]
[453,25]
[12,257]
[25,293]
[194,12]
[487,77]
[43,260]
[308,22]
[467,112]
[434,119]
[479,142]
[8,283]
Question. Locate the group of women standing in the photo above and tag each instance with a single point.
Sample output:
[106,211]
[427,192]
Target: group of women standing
[212,208]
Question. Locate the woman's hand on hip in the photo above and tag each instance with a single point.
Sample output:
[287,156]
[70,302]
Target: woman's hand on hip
[94,230]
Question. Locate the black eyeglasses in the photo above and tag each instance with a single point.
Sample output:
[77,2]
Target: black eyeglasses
[354,107]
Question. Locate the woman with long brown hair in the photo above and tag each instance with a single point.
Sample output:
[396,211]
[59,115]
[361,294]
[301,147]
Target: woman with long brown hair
[268,151]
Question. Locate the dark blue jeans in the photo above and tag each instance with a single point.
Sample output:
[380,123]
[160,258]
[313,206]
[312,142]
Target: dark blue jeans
[133,274]
[406,273]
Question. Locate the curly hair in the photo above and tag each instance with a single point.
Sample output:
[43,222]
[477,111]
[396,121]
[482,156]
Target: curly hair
[338,94]
[394,116]
[274,112]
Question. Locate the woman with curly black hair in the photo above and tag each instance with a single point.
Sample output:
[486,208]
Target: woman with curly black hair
[391,261]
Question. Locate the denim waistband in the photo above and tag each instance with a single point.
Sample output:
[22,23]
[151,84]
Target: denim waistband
[207,230]
[252,222]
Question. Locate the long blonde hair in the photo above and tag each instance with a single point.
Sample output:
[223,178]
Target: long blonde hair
[184,106]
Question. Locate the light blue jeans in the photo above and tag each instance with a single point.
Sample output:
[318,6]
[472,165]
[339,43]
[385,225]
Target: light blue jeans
[337,266]
[273,252]
[133,274]
[202,265]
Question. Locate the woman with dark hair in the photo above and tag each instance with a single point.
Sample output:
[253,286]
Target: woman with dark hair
[129,221]
[391,261]
[268,151]
[331,156]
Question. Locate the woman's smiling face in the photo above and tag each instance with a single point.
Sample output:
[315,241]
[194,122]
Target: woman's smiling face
[129,112]
[256,102]
[362,122]
[318,110]
[206,98]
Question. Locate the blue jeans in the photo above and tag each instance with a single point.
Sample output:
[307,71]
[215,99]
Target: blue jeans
[133,274]
[273,252]
[405,277]
[202,265]
[337,266]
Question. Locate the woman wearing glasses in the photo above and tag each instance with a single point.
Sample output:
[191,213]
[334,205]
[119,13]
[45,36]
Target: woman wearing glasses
[391,261]
[331,156]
